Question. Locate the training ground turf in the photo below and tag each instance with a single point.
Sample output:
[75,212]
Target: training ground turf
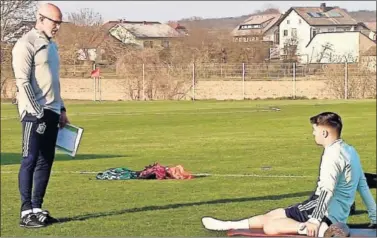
[225,139]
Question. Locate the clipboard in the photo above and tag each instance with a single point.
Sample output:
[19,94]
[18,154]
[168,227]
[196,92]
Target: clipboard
[69,138]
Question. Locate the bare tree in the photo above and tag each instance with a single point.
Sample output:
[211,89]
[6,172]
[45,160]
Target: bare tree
[12,14]
[81,33]
[85,17]
[84,40]
[290,49]
[5,69]
[324,52]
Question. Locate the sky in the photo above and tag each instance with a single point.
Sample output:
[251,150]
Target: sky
[164,11]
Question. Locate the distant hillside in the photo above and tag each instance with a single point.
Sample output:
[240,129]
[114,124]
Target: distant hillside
[229,23]
[214,23]
[364,15]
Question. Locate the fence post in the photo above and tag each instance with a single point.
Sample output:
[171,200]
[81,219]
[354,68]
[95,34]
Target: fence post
[99,88]
[143,82]
[294,80]
[94,84]
[243,81]
[193,81]
[346,80]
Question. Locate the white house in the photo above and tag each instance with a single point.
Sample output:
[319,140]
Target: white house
[143,34]
[299,26]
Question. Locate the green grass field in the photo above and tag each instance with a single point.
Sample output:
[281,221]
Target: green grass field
[220,138]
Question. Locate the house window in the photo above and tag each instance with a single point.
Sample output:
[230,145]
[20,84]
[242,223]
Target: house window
[165,43]
[148,44]
[285,33]
[334,14]
[299,21]
[288,21]
[294,32]
[314,32]
[331,29]
[250,26]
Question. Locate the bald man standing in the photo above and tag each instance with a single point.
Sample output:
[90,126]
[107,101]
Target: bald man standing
[35,62]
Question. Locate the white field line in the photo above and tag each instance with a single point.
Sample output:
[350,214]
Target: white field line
[199,174]
[254,175]
[161,113]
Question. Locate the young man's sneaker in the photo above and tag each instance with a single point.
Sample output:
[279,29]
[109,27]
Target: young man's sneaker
[31,221]
[46,217]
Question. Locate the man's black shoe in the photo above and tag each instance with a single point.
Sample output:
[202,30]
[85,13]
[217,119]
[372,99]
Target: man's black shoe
[31,221]
[46,217]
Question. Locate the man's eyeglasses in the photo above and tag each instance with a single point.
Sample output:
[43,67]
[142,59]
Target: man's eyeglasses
[54,21]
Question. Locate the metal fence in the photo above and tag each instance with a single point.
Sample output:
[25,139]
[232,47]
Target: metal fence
[220,81]
[270,71]
[346,80]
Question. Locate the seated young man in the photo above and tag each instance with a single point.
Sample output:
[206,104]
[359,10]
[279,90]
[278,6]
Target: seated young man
[341,175]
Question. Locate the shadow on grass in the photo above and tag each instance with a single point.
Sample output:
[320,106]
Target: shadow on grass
[361,226]
[14,158]
[360,212]
[180,205]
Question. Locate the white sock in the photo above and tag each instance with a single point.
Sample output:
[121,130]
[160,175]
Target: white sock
[242,224]
[217,225]
[36,210]
[301,229]
[26,212]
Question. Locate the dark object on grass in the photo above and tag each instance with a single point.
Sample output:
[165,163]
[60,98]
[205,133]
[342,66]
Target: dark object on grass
[372,183]
[371,180]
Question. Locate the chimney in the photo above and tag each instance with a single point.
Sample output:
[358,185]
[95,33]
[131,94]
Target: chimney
[323,7]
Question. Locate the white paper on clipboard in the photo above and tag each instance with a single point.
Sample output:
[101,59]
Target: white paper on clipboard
[69,138]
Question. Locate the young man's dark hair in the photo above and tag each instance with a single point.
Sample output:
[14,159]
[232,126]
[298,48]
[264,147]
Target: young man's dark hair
[328,119]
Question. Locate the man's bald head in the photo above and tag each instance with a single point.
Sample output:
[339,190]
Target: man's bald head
[49,18]
[51,11]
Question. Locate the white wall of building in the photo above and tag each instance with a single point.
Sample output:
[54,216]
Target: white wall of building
[294,23]
[87,54]
[342,46]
